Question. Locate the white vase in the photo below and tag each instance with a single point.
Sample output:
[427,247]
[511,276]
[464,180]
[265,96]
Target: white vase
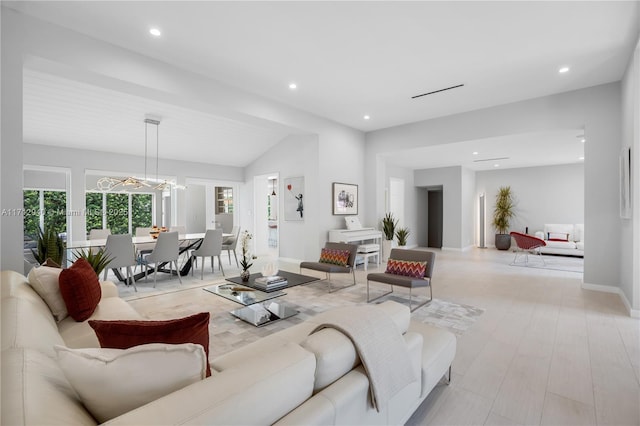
[386,249]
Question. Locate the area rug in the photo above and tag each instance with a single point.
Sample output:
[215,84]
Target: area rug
[451,316]
[555,263]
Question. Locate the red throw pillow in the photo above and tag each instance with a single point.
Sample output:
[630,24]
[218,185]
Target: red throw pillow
[80,289]
[406,267]
[126,334]
[334,256]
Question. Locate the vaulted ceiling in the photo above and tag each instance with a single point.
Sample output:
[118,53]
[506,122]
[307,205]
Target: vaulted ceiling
[348,60]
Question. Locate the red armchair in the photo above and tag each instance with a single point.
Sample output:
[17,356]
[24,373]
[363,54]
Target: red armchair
[527,244]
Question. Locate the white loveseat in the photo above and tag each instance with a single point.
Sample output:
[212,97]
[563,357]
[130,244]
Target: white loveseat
[286,378]
[563,238]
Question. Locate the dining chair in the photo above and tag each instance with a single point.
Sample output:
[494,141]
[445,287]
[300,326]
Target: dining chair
[143,248]
[123,255]
[211,247]
[99,234]
[166,250]
[230,243]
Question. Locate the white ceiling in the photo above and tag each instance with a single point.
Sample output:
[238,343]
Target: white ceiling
[348,59]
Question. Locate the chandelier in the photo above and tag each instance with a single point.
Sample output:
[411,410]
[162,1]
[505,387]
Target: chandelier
[108,183]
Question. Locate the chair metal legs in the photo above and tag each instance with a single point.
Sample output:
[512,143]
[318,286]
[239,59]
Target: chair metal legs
[341,288]
[382,295]
[410,296]
[535,251]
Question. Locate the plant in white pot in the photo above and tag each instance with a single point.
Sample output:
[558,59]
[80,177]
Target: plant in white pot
[389,225]
[502,215]
[402,234]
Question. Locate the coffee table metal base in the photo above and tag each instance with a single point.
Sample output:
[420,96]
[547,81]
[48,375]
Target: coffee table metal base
[260,314]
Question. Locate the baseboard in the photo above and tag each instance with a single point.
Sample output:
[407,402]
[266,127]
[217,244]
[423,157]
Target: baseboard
[633,313]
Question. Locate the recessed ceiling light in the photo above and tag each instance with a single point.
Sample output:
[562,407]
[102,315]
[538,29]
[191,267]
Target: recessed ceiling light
[475,152]
[563,70]
[155,32]
[496,165]
[366,117]
[293,86]
[580,158]
[581,138]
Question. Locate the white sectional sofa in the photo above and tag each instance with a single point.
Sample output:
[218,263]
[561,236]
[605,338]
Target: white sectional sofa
[287,378]
[562,238]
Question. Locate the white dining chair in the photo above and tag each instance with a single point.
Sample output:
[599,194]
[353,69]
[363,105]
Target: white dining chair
[229,244]
[166,250]
[143,248]
[123,255]
[99,234]
[211,247]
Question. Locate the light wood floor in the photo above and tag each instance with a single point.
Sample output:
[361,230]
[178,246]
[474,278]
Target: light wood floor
[545,352]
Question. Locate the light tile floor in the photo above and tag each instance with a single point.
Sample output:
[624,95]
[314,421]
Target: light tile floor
[544,352]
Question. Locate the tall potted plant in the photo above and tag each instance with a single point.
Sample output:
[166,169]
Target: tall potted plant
[389,225]
[502,215]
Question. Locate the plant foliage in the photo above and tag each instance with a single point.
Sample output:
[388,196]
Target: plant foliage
[246,257]
[389,225]
[504,210]
[402,234]
[50,246]
[98,259]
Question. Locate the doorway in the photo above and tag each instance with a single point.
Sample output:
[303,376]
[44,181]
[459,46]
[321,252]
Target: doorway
[265,200]
[434,218]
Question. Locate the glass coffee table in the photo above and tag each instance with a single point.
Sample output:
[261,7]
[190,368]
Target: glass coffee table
[258,308]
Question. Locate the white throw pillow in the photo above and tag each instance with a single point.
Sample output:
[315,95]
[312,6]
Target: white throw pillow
[111,382]
[44,281]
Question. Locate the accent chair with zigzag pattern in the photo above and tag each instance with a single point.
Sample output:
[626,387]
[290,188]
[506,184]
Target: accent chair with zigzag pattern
[406,262]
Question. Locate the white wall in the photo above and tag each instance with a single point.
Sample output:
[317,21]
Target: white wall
[412,218]
[295,156]
[196,208]
[468,203]
[39,179]
[550,194]
[596,109]
[630,228]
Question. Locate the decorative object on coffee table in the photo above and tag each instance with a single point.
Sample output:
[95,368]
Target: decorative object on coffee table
[247,258]
[502,215]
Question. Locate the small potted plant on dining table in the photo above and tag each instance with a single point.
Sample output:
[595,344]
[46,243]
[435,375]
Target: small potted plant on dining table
[247,258]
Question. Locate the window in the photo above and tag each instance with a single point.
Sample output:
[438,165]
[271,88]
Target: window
[120,212]
[224,200]
[44,209]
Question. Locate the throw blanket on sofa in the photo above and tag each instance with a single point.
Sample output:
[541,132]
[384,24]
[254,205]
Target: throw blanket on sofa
[380,346]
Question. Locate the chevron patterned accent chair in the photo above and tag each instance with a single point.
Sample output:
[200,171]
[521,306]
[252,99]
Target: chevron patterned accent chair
[335,258]
[406,268]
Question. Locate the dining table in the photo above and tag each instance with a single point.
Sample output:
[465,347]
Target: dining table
[187,241]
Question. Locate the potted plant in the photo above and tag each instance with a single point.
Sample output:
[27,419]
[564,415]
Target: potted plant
[402,234]
[389,225]
[97,259]
[50,246]
[246,261]
[502,215]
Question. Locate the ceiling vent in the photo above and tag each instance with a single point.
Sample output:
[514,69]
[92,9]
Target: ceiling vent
[437,91]
[491,159]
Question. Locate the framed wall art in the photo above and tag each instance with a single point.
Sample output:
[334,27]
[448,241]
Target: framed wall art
[345,198]
[294,198]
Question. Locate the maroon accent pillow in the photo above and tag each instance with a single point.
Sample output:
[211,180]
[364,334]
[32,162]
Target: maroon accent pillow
[80,289]
[124,334]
